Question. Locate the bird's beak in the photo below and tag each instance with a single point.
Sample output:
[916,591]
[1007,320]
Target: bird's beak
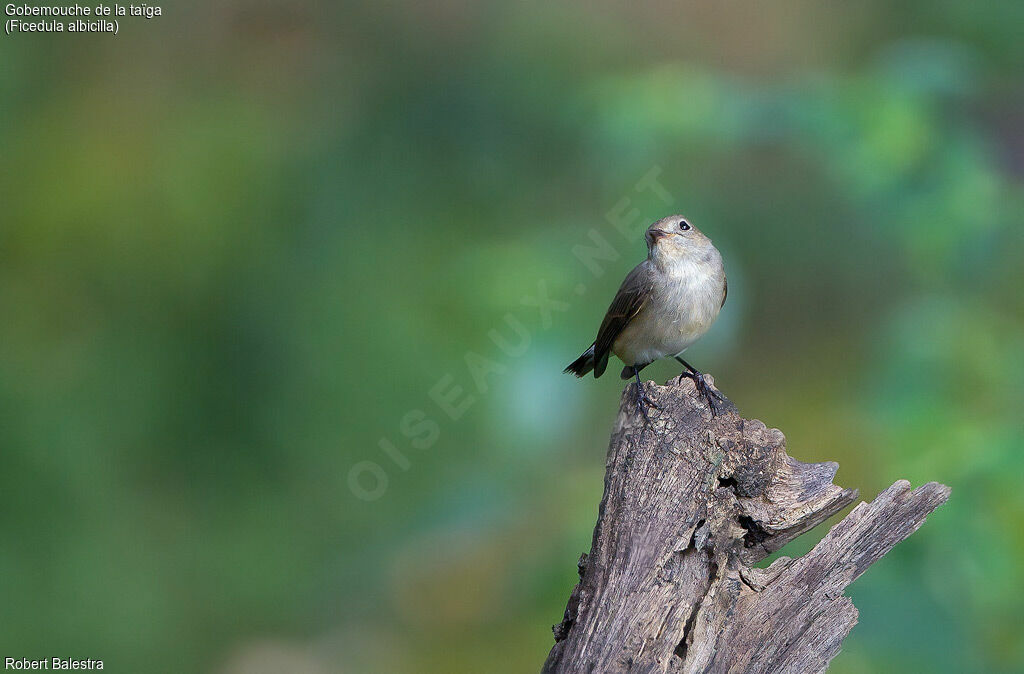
[654,234]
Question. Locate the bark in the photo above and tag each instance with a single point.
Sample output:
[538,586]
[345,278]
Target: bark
[691,502]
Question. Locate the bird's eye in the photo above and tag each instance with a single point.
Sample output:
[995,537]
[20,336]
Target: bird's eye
[684,225]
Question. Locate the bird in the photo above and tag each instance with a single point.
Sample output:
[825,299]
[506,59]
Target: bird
[664,305]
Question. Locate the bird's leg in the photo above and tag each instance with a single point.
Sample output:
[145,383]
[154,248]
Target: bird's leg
[701,384]
[641,398]
[688,372]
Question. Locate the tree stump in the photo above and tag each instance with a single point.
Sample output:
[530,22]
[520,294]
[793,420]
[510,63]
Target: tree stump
[691,502]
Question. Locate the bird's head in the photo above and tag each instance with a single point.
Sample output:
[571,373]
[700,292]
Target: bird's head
[675,237]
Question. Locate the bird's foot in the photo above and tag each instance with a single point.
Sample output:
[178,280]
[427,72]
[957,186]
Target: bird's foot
[700,381]
[641,399]
[713,397]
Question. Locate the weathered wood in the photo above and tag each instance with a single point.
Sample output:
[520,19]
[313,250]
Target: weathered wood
[691,502]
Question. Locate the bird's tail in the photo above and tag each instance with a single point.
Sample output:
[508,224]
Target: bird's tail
[582,365]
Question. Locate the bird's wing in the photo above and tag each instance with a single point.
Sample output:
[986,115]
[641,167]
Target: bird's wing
[725,291]
[632,295]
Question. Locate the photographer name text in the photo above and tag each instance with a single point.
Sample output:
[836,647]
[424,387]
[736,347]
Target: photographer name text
[58,664]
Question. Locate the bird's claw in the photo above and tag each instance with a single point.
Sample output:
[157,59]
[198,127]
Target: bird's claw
[713,397]
[642,398]
[700,382]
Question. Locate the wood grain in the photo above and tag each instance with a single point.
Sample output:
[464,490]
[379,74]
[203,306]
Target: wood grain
[691,502]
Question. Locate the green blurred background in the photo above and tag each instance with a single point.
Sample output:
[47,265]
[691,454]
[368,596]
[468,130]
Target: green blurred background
[242,243]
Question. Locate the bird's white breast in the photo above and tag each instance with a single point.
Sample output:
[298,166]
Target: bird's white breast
[685,299]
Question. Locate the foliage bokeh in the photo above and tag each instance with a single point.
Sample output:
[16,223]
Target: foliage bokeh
[242,241]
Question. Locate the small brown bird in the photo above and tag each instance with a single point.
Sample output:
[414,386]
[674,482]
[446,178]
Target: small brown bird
[663,306]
